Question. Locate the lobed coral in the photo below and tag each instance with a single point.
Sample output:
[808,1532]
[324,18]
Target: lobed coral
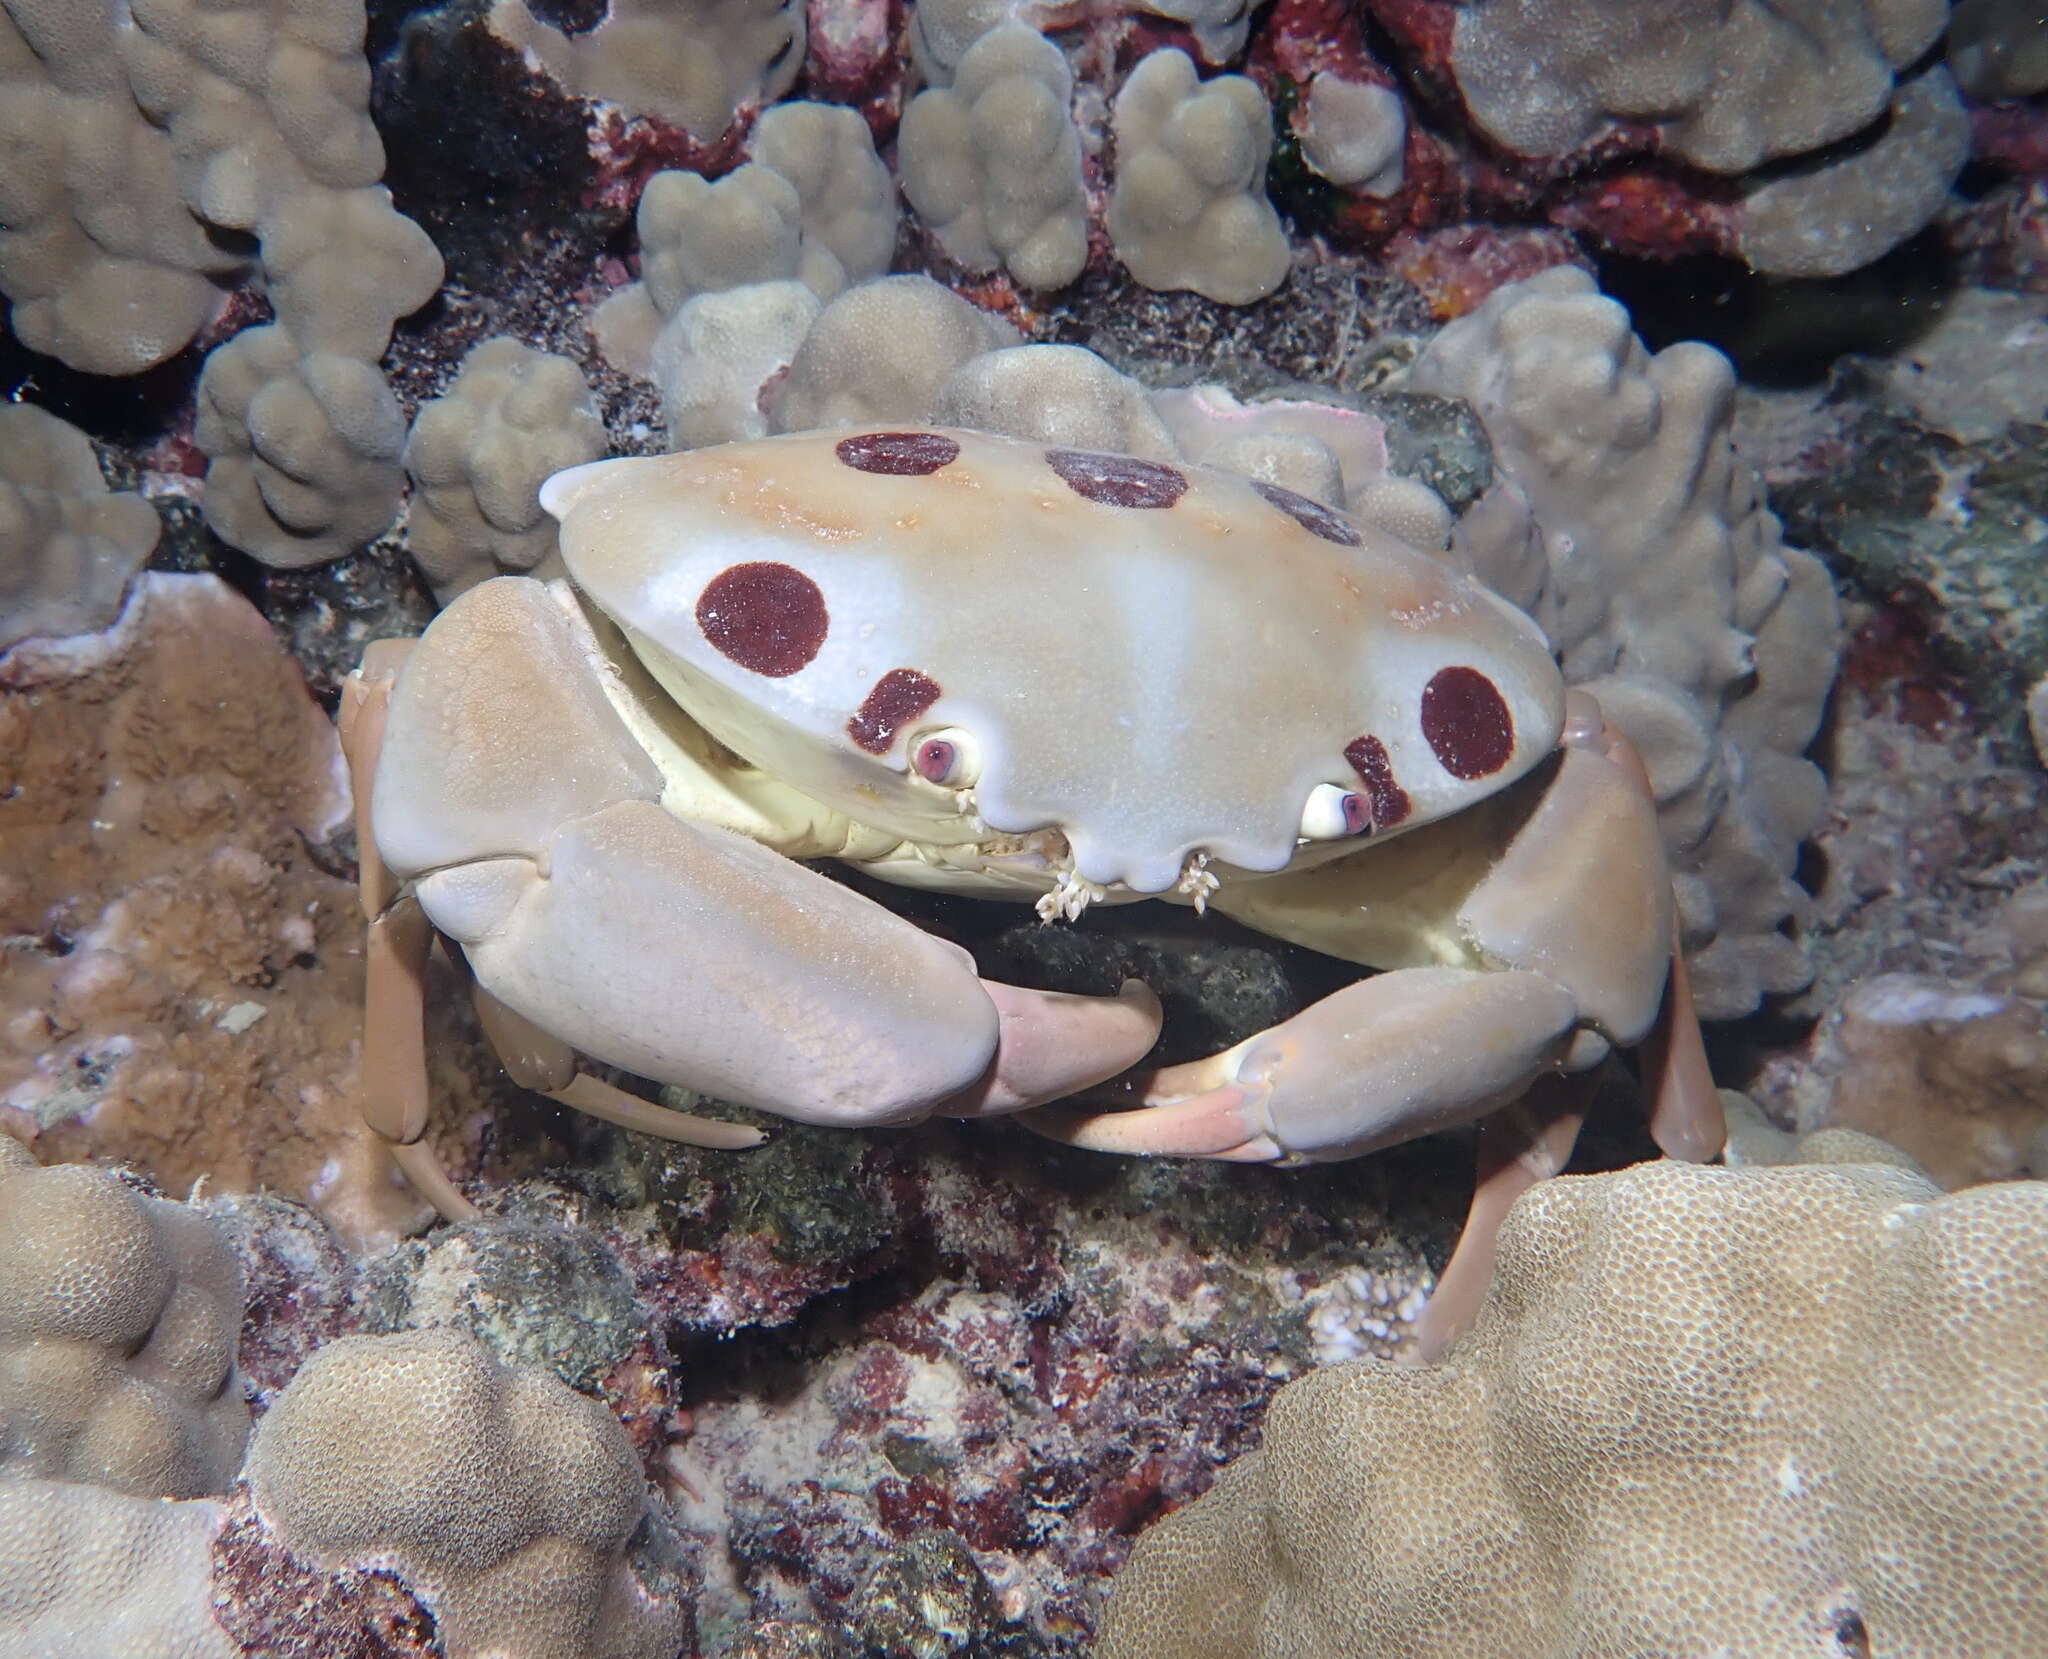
[1998,49]
[1841,213]
[1619,462]
[760,359]
[306,447]
[1729,88]
[118,1321]
[501,1501]
[86,1572]
[119,1317]
[849,367]
[1189,208]
[478,454]
[68,545]
[693,63]
[1355,133]
[698,237]
[846,199]
[108,267]
[181,143]
[814,206]
[717,357]
[993,162]
[506,1500]
[1056,394]
[1771,1410]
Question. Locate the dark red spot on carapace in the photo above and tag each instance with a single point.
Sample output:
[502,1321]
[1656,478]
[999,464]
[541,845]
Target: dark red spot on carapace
[1467,723]
[1388,801]
[1117,480]
[765,616]
[1311,515]
[899,696]
[899,454]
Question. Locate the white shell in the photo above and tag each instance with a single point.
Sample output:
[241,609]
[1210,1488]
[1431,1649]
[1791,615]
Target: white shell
[1149,680]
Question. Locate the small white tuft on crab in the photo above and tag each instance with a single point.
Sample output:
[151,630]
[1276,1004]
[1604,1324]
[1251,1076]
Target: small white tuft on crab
[1197,882]
[1068,897]
[834,645]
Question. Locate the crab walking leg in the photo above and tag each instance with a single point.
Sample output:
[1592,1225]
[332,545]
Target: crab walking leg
[365,708]
[1686,1119]
[393,1068]
[392,1071]
[545,1064]
[1376,1063]
[1528,1142]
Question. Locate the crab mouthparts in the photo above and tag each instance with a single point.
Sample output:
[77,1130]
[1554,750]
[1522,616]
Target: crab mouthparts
[1071,892]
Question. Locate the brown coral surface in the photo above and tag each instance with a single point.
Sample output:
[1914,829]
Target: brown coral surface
[1792,1410]
[183,970]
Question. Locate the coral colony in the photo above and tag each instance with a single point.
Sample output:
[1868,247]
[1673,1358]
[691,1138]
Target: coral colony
[984,829]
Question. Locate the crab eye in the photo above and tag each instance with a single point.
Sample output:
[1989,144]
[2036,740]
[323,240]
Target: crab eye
[1333,813]
[946,757]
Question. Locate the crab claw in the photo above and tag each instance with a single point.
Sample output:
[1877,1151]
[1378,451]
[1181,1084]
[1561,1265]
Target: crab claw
[1381,1061]
[1049,1044]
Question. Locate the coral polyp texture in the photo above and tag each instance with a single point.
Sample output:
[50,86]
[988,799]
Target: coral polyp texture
[182,984]
[86,1572]
[119,1316]
[1784,1410]
[505,1499]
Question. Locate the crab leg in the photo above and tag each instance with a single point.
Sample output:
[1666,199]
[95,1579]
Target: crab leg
[1378,1062]
[393,1068]
[545,1064]
[598,922]
[1530,1141]
[1686,1119]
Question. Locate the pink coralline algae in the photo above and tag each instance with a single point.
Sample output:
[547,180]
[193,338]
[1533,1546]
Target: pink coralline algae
[848,1343]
